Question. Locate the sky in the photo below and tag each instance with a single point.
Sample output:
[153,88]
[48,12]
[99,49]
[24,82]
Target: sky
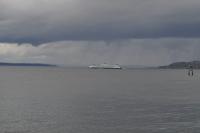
[85,32]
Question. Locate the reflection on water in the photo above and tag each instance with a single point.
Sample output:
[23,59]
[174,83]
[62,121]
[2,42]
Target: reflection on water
[58,100]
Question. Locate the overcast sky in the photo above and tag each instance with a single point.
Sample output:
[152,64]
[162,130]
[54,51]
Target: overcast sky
[84,32]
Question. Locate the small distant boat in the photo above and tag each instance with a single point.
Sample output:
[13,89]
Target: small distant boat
[105,66]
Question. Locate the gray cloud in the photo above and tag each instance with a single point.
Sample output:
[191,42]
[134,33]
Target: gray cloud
[84,32]
[38,21]
[147,52]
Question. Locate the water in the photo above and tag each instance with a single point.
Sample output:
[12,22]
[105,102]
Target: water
[59,100]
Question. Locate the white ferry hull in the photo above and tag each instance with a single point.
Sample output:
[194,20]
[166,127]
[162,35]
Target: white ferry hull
[105,66]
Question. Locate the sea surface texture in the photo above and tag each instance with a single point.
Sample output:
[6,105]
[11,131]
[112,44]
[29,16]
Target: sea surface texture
[60,100]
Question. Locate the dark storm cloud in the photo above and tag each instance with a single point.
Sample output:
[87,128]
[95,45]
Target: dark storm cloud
[39,21]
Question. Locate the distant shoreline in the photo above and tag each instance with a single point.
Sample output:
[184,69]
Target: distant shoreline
[182,65]
[27,64]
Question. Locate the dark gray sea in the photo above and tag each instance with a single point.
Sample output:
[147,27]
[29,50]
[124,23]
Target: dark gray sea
[62,100]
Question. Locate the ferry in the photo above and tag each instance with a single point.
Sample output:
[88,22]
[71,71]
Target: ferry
[105,66]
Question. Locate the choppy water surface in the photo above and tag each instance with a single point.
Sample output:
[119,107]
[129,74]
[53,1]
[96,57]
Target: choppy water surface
[59,100]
